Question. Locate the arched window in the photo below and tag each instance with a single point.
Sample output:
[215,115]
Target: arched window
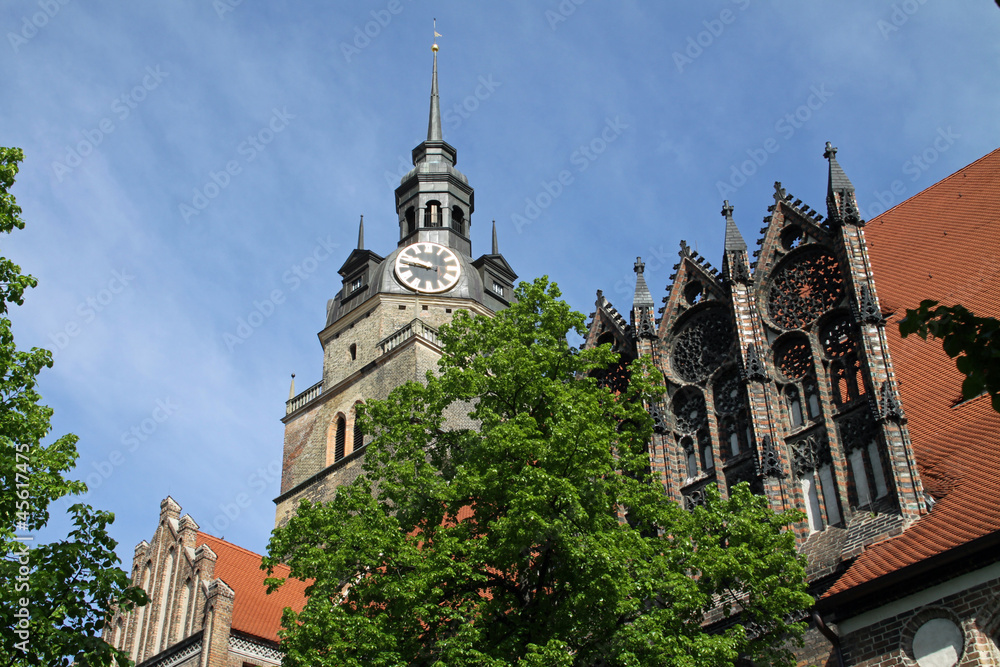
[432,214]
[411,220]
[812,397]
[812,464]
[341,439]
[458,220]
[336,438]
[691,458]
[794,406]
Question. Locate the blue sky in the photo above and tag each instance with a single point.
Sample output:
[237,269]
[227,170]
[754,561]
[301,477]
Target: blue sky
[191,163]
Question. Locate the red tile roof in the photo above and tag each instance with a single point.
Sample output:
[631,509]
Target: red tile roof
[254,611]
[941,244]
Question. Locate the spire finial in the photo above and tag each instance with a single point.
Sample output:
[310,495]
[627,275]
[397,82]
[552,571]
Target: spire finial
[639,266]
[727,209]
[434,122]
[291,390]
[496,246]
[830,152]
[361,233]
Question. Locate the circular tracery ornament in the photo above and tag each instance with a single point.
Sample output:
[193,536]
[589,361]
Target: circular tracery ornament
[837,338]
[689,410]
[793,358]
[701,345]
[727,393]
[803,288]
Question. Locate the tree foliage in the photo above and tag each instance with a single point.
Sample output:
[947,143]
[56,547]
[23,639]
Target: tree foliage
[55,597]
[507,514]
[975,341]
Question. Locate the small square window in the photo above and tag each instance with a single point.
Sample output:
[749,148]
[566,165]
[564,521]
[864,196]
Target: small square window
[402,307]
[425,307]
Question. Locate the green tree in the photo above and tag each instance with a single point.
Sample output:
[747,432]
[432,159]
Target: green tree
[535,532]
[55,597]
[974,340]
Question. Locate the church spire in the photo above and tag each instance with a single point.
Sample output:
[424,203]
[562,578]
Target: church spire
[434,122]
[642,296]
[841,202]
[734,240]
[361,233]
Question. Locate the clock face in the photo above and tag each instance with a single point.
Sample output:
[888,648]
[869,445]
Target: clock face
[428,267]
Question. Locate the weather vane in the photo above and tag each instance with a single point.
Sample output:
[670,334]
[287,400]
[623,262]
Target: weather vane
[434,47]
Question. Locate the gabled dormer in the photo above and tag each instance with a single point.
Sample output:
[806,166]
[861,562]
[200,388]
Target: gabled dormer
[497,276]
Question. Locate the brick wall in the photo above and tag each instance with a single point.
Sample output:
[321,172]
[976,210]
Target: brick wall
[889,642]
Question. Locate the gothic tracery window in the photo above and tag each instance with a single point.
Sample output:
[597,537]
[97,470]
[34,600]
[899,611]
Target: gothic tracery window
[805,286]
[793,359]
[730,405]
[702,344]
[840,346]
[813,467]
[689,411]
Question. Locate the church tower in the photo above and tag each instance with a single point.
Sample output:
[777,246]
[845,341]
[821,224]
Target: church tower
[381,326]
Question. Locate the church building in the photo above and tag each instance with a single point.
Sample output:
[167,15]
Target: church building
[778,373]
[784,368]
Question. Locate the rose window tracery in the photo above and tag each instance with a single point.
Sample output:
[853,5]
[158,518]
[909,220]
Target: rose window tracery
[701,345]
[727,394]
[794,358]
[690,413]
[804,288]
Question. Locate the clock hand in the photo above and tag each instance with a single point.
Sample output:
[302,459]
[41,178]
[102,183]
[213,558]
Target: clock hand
[417,262]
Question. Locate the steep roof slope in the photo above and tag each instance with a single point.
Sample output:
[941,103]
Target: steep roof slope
[941,244]
[254,611]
